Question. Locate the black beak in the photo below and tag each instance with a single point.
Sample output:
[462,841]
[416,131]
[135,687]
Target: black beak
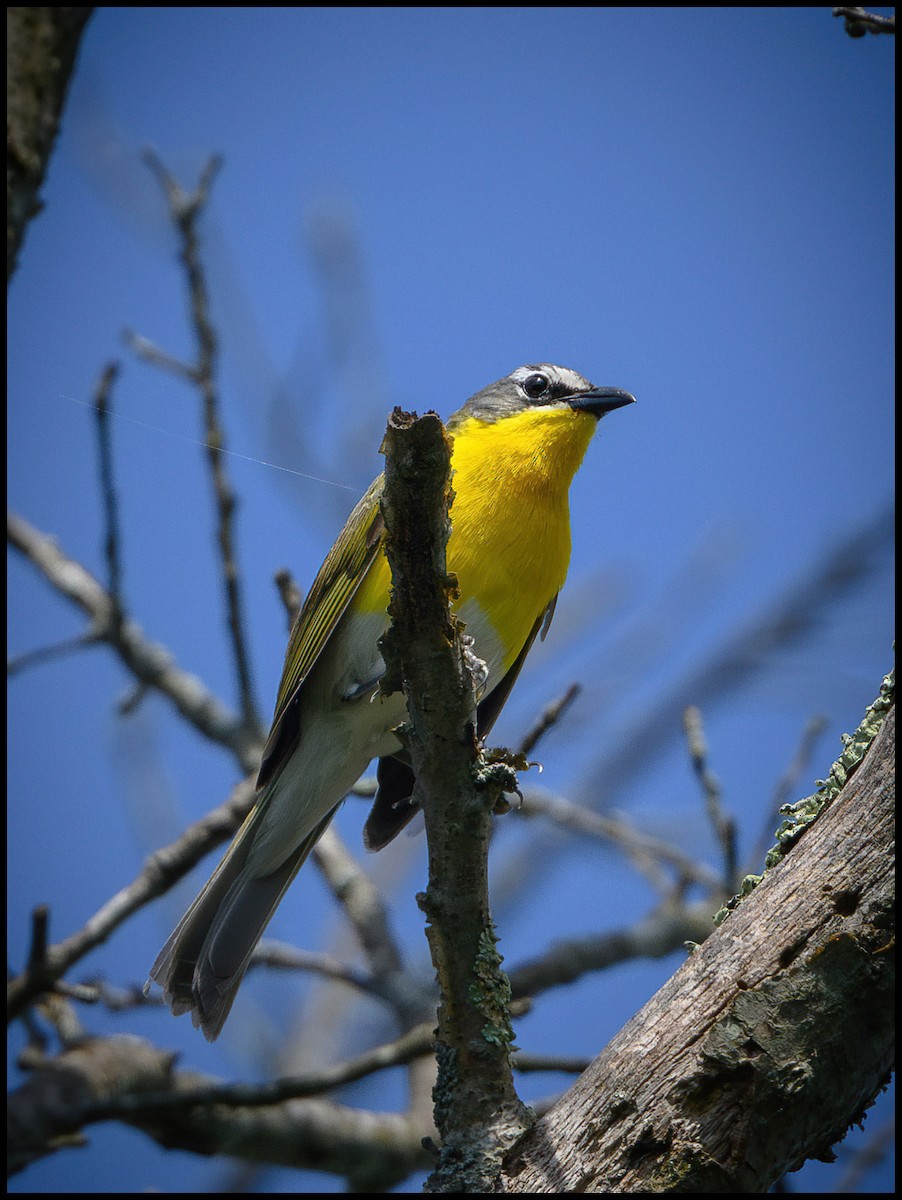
[600,400]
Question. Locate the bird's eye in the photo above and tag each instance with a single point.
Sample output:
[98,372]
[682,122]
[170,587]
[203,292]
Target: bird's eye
[535,385]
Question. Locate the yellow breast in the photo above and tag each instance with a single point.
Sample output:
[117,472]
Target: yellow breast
[510,537]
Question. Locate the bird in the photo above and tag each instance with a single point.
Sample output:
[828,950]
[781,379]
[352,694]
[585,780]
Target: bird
[517,446]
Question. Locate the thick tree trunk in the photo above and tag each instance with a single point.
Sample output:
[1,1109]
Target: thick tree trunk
[773,1037]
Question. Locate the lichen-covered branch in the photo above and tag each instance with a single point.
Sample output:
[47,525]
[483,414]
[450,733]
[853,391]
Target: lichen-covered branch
[774,1036]
[478,1114]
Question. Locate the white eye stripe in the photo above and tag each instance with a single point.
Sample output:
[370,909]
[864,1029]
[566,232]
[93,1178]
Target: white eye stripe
[558,377]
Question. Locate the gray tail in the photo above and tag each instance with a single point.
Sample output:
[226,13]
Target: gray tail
[206,956]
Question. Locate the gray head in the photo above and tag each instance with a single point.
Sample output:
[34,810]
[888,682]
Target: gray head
[539,385]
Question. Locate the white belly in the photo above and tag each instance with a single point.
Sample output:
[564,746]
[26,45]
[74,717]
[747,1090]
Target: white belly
[345,723]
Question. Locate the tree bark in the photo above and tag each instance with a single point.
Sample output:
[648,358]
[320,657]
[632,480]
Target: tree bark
[41,47]
[477,1111]
[774,1036]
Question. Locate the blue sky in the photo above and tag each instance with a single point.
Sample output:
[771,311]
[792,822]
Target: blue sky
[695,205]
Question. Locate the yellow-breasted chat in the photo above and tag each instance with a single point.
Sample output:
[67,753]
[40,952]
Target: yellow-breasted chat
[517,446]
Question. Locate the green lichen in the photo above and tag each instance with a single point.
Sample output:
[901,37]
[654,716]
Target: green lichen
[798,816]
[497,768]
[490,992]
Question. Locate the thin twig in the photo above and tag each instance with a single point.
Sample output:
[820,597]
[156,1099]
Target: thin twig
[113,999]
[185,209]
[32,658]
[362,902]
[161,870]
[668,928]
[111,540]
[786,787]
[280,956]
[290,593]
[149,662]
[859,22]
[648,853]
[37,951]
[365,908]
[102,398]
[417,1042]
[530,1063]
[147,350]
[548,718]
[724,826]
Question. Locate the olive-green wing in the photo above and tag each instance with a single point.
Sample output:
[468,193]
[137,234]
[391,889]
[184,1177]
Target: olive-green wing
[333,589]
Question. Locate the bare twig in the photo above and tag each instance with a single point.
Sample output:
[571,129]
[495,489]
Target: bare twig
[656,935]
[858,22]
[528,1064]
[161,870]
[111,540]
[185,210]
[33,658]
[280,956]
[37,951]
[351,1142]
[724,826]
[113,999]
[147,350]
[149,662]
[786,786]
[290,593]
[364,906]
[647,853]
[548,718]
[108,491]
[417,1042]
